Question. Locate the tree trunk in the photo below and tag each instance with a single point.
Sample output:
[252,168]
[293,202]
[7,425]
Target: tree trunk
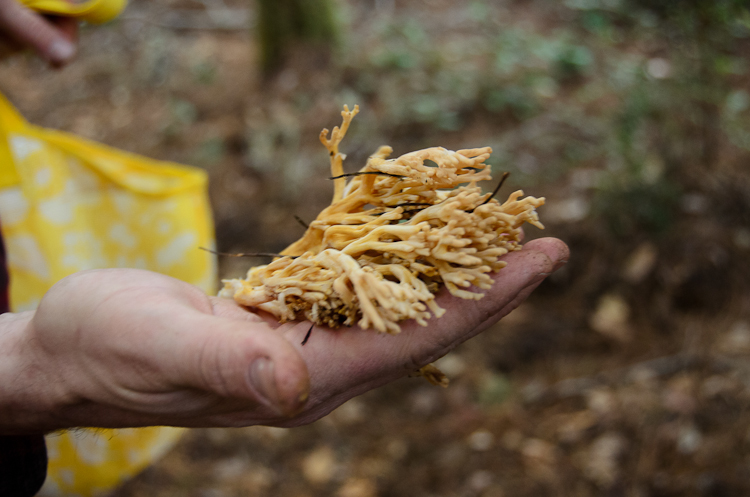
[284,23]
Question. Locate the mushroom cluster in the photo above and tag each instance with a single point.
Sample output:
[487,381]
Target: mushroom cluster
[394,233]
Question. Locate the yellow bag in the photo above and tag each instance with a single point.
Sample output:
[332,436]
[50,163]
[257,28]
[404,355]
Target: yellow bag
[67,204]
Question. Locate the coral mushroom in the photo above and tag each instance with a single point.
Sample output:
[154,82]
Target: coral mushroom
[393,234]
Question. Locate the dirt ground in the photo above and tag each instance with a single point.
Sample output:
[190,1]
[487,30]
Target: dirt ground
[625,374]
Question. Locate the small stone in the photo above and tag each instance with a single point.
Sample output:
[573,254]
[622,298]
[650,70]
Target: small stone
[512,439]
[603,465]
[350,412]
[689,440]
[397,448]
[452,365]
[533,391]
[568,210]
[479,481]
[742,238]
[451,456]
[357,487]
[319,466]
[695,203]
[256,480]
[602,401]
[230,469]
[736,341]
[716,385]
[218,435]
[583,179]
[640,263]
[481,440]
[425,400]
[537,452]
[374,467]
[273,432]
[573,427]
[611,318]
[642,375]
[678,395]
[212,492]
[658,68]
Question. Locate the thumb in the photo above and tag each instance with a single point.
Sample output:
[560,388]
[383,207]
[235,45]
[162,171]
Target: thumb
[244,360]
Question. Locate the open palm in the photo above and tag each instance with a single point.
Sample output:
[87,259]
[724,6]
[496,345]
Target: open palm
[122,348]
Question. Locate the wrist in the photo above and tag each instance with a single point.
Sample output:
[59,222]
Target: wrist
[30,395]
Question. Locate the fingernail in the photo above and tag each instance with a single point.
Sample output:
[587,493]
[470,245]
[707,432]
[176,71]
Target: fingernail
[263,382]
[553,248]
[536,281]
[60,51]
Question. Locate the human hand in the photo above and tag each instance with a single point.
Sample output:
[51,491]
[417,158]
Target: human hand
[52,38]
[348,362]
[120,347]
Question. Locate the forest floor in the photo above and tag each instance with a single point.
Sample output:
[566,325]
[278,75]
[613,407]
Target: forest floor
[625,374]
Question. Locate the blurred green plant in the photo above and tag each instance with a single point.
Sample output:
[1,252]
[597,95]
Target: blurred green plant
[204,72]
[209,152]
[493,389]
[735,116]
[676,110]
[181,115]
[645,91]
[282,23]
[422,79]
[631,207]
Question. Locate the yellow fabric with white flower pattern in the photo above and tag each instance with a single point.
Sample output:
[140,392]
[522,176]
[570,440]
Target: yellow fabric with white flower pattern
[67,204]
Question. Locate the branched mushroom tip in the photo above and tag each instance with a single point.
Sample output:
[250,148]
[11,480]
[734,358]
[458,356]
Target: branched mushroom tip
[367,260]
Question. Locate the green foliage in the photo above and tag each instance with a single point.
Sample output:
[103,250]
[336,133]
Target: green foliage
[182,114]
[718,12]
[209,153]
[204,72]
[641,91]
[422,79]
[675,110]
[493,389]
[632,207]
[572,61]
[736,116]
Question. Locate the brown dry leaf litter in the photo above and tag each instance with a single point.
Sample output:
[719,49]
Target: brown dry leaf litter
[393,234]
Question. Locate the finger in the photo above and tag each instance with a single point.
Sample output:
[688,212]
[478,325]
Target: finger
[463,319]
[242,360]
[356,358]
[558,254]
[417,346]
[68,26]
[346,362]
[29,29]
[555,249]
